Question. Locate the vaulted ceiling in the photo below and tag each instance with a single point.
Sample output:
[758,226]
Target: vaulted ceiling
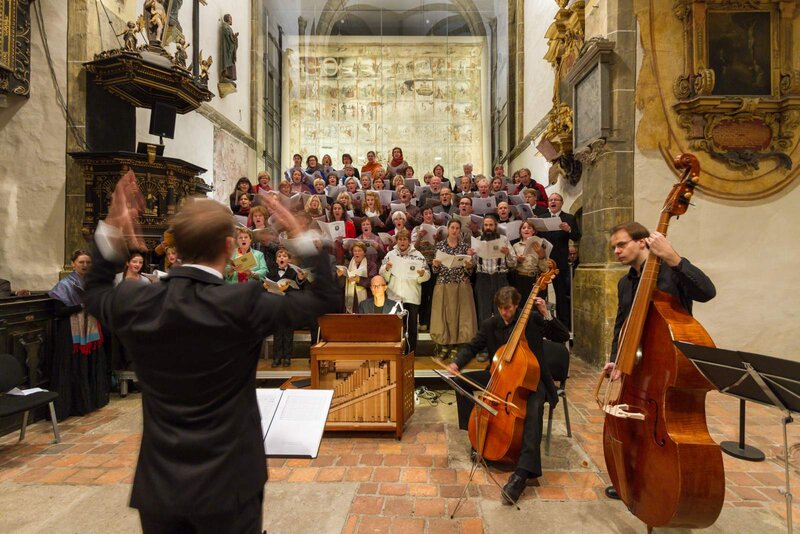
[396,17]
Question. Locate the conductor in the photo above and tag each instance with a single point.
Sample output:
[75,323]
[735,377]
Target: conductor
[195,342]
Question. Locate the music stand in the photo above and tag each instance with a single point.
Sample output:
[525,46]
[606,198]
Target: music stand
[757,378]
[477,459]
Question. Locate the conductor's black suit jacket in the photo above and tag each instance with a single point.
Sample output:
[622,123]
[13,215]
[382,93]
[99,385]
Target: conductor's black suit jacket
[195,343]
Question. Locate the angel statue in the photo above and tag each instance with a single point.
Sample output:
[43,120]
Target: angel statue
[205,65]
[180,52]
[156,17]
[129,36]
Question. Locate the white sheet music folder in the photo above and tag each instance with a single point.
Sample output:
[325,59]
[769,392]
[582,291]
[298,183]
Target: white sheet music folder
[293,420]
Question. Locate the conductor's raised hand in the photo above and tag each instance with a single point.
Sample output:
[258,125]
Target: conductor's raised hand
[283,216]
[123,213]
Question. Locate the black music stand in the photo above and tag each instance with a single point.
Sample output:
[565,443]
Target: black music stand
[757,378]
[477,459]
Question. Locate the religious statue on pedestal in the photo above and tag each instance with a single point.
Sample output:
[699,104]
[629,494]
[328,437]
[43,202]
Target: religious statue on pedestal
[174,31]
[155,16]
[230,44]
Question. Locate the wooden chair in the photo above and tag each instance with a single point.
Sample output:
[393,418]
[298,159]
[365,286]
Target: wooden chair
[557,355]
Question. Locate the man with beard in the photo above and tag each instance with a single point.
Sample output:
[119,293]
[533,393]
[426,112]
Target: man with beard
[446,201]
[491,268]
[434,193]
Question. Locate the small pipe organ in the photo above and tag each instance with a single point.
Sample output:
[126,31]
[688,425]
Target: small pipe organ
[360,357]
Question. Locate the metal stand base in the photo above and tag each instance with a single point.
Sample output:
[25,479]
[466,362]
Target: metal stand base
[749,453]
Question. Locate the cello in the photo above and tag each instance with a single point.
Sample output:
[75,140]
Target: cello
[659,454]
[515,373]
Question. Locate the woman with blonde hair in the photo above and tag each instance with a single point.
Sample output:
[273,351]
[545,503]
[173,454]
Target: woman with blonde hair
[314,207]
[362,270]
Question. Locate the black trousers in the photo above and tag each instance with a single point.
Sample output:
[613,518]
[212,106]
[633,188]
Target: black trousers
[411,325]
[486,285]
[427,300]
[282,343]
[246,519]
[530,458]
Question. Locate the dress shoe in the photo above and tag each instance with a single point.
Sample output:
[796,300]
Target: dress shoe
[513,488]
[287,362]
[276,362]
[611,493]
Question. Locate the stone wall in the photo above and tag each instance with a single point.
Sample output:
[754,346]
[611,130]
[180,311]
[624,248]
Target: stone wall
[32,164]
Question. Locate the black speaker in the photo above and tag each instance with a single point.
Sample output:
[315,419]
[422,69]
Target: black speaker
[162,120]
[110,121]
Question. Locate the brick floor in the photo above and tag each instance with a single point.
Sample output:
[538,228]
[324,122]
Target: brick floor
[412,486]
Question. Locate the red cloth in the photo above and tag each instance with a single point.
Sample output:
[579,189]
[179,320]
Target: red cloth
[542,200]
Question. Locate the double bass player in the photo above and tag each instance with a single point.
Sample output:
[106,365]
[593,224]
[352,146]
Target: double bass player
[632,243]
[493,333]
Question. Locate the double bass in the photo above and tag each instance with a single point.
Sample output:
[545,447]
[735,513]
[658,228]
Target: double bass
[515,374]
[659,454]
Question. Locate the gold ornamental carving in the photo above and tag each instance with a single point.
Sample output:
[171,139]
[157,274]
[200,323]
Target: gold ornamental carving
[15,47]
[565,39]
[729,92]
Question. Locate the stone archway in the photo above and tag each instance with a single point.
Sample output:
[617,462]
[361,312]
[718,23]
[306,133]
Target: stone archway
[335,10]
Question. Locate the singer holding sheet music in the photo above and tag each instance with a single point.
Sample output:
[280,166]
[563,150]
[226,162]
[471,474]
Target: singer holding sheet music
[405,269]
[453,319]
[201,461]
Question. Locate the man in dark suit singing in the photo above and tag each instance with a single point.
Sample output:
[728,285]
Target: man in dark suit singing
[195,341]
[560,254]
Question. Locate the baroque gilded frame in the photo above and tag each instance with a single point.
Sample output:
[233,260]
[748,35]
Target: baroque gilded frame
[15,47]
[740,130]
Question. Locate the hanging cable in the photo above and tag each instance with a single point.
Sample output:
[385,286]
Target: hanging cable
[108,18]
[76,131]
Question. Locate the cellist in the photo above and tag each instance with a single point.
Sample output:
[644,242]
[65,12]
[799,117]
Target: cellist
[493,333]
[632,243]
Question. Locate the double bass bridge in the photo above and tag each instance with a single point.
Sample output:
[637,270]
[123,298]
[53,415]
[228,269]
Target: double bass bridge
[621,411]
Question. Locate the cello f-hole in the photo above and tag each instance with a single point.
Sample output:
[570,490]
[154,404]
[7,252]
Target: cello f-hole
[508,399]
[659,441]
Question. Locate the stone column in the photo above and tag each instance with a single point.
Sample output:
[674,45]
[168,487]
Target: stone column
[79,45]
[258,76]
[86,36]
[608,195]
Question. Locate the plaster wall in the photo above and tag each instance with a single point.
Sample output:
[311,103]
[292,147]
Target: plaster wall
[539,79]
[236,107]
[33,166]
[748,250]
[193,142]
[539,76]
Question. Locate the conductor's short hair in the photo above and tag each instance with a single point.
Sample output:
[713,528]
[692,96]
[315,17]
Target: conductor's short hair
[201,229]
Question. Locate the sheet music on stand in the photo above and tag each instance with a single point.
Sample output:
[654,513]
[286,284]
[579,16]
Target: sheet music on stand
[293,420]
